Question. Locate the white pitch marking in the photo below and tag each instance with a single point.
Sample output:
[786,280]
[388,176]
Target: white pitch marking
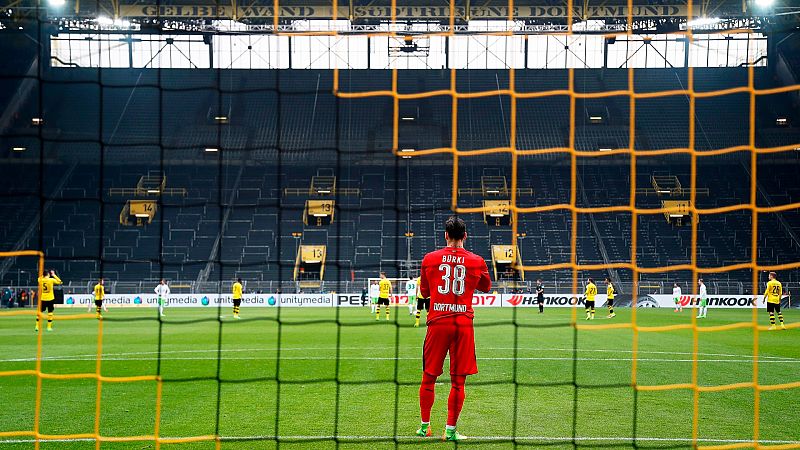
[117,356]
[652,352]
[401,358]
[333,348]
[416,439]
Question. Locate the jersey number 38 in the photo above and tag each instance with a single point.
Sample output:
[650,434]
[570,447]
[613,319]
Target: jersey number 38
[452,279]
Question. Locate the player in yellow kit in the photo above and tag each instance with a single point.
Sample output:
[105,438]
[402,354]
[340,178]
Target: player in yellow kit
[591,293]
[610,293]
[384,293]
[47,300]
[773,298]
[237,297]
[422,303]
[99,295]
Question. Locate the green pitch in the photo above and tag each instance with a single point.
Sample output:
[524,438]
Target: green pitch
[525,388]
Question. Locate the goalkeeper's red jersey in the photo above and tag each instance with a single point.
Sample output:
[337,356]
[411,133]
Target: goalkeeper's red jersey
[449,277]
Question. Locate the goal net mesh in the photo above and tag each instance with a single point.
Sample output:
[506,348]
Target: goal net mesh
[518,382]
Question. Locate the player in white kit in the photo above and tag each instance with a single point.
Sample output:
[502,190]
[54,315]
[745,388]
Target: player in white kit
[411,293]
[162,290]
[702,304]
[374,292]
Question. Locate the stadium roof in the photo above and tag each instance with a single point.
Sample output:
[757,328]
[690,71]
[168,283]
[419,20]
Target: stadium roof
[406,9]
[651,13]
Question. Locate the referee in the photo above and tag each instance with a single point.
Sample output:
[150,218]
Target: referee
[540,295]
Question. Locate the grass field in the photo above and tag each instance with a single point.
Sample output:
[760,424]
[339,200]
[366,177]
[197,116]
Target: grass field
[525,388]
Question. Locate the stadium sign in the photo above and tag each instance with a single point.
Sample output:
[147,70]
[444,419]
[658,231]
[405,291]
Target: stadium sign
[347,300]
[401,12]
[644,301]
[556,300]
[552,300]
[714,301]
[132,300]
[398,299]
[305,300]
[486,300]
[203,300]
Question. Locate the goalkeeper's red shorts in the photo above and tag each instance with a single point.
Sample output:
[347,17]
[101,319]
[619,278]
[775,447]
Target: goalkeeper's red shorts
[454,335]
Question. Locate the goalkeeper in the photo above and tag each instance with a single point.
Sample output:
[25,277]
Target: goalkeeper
[449,277]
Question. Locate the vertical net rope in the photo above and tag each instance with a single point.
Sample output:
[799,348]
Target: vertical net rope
[753,266]
[341,326]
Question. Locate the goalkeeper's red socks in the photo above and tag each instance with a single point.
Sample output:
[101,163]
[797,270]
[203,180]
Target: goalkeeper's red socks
[456,399]
[426,397]
[454,402]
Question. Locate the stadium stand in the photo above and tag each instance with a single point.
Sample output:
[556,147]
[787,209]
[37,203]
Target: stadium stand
[278,132]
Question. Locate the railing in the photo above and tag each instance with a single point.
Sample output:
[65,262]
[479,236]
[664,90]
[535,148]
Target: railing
[480,191]
[309,191]
[142,192]
[674,192]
